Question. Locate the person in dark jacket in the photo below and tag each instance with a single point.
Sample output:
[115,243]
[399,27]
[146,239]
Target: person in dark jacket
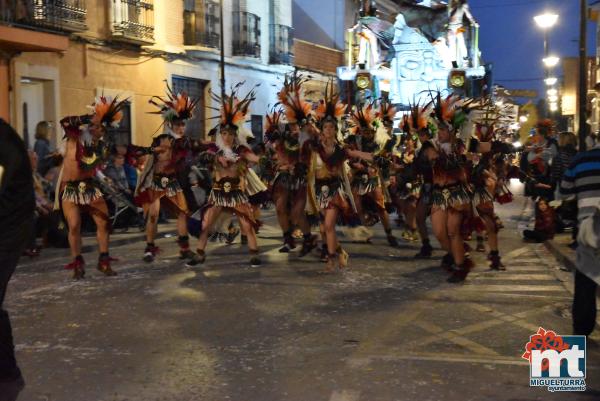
[567,148]
[41,147]
[17,205]
[544,228]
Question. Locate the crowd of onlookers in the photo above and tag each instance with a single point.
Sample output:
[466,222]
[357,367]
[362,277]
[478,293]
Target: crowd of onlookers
[544,159]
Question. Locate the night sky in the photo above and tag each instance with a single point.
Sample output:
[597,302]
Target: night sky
[510,39]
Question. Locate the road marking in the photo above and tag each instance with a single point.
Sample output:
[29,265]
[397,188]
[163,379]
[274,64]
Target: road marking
[515,277]
[441,357]
[442,334]
[531,268]
[344,395]
[504,288]
[517,252]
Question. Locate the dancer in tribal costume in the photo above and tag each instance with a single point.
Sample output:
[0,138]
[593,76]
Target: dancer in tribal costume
[233,182]
[329,195]
[168,157]
[418,123]
[84,155]
[367,177]
[451,193]
[408,185]
[487,187]
[289,183]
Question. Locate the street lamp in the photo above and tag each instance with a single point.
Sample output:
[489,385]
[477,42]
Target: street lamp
[551,61]
[551,81]
[546,20]
[553,99]
[552,92]
[553,107]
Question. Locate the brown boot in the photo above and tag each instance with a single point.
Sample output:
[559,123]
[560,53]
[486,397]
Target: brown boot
[104,266]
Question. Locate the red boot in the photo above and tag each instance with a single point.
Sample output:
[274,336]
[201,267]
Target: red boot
[77,265]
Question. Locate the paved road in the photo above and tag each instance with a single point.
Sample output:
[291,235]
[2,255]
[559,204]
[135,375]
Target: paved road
[391,328]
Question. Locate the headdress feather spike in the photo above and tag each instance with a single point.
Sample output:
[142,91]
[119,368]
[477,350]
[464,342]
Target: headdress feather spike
[365,116]
[330,107]
[291,97]
[107,111]
[175,106]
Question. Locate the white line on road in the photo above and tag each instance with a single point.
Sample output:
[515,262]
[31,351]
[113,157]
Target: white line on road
[344,395]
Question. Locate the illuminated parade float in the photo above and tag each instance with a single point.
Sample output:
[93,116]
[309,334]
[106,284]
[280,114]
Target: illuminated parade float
[431,46]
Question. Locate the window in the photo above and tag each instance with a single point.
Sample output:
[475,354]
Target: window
[195,127]
[65,15]
[122,135]
[246,34]
[133,21]
[202,23]
[280,51]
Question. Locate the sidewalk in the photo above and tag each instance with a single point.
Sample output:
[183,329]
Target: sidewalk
[559,247]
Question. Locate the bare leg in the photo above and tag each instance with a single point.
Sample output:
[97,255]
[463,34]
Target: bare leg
[182,224]
[331,216]
[421,219]
[247,228]
[209,219]
[439,219]
[100,215]
[152,211]
[72,214]
[454,221]
[281,206]
[411,212]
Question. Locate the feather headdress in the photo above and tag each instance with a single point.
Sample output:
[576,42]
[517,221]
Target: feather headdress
[273,123]
[364,117]
[329,108]
[175,106]
[291,97]
[234,109]
[486,116]
[387,112]
[107,111]
[450,111]
[418,118]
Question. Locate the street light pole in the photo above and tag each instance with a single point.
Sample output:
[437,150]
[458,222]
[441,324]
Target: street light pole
[582,95]
[222,61]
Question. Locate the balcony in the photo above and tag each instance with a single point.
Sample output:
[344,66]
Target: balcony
[246,34]
[133,21]
[281,40]
[47,15]
[202,23]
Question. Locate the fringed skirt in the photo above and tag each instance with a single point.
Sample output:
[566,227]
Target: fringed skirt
[165,183]
[81,192]
[454,196]
[226,193]
[363,184]
[481,196]
[330,194]
[168,190]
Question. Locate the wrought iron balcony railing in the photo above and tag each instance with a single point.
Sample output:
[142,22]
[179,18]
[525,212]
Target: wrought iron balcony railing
[202,23]
[52,15]
[133,21]
[281,42]
[246,34]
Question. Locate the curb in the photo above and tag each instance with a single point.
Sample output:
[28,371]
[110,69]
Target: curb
[561,257]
